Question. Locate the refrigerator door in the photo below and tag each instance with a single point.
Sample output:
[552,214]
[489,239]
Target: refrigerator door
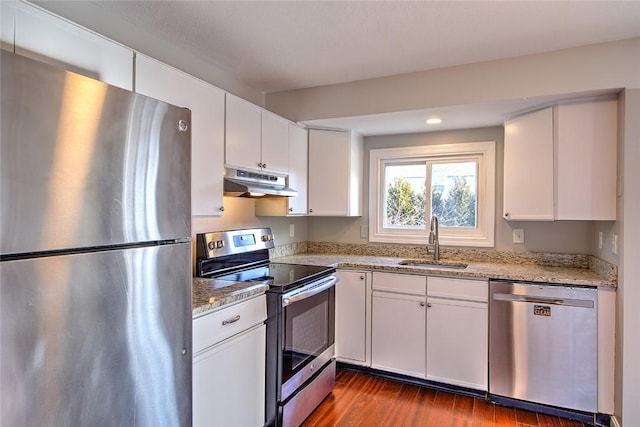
[97,339]
[85,164]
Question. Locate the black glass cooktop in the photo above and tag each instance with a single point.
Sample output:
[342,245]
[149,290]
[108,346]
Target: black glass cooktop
[280,277]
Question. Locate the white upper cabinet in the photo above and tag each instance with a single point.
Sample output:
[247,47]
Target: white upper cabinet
[255,138]
[206,103]
[560,163]
[298,157]
[243,133]
[298,169]
[586,159]
[49,38]
[528,167]
[275,143]
[335,173]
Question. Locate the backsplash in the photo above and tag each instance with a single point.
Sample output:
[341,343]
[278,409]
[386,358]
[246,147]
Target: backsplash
[603,268]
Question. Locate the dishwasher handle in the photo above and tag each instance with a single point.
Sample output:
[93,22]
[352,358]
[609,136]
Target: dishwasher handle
[569,302]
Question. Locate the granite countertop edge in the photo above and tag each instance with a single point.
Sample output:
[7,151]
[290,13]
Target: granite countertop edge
[485,270]
[210,295]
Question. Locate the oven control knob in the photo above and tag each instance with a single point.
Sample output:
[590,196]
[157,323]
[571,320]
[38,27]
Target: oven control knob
[267,237]
[220,244]
[211,245]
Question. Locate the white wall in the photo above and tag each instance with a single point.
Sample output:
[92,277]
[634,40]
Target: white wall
[628,348]
[558,236]
[239,212]
[596,67]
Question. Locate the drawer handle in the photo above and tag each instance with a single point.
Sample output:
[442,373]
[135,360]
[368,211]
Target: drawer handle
[232,320]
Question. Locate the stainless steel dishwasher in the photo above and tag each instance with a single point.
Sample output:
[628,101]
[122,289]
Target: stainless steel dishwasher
[543,344]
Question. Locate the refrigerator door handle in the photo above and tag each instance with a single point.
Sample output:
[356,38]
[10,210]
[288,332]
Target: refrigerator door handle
[544,300]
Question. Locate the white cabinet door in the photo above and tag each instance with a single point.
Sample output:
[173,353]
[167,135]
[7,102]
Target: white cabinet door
[457,342]
[275,143]
[335,173]
[243,134]
[206,103]
[398,333]
[457,331]
[298,169]
[351,315]
[229,382]
[49,38]
[529,167]
[586,160]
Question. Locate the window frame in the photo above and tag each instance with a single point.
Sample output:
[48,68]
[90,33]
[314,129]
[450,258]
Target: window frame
[481,236]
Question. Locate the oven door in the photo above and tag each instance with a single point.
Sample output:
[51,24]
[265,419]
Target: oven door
[308,332]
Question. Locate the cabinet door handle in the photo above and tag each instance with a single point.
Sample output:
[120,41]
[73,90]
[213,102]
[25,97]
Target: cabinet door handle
[428,305]
[422,304]
[221,208]
[232,320]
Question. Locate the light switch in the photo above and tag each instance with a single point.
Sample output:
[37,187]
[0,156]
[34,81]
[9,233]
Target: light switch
[292,230]
[614,244]
[600,240]
[518,235]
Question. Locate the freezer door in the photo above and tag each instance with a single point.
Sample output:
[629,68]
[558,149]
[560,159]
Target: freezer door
[85,164]
[97,339]
[543,344]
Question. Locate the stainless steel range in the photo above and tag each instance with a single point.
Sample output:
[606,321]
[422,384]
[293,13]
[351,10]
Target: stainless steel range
[301,318]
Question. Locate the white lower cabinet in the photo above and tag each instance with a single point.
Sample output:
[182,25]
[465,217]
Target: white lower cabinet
[229,376]
[353,291]
[398,323]
[457,332]
[430,327]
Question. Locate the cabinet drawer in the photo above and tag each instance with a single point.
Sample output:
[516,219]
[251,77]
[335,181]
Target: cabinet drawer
[401,283]
[220,325]
[467,289]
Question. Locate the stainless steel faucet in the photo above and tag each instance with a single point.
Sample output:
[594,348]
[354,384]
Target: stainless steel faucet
[434,239]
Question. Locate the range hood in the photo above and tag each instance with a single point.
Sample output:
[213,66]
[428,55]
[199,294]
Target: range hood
[243,183]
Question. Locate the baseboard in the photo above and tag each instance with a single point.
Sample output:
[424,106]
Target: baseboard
[615,422]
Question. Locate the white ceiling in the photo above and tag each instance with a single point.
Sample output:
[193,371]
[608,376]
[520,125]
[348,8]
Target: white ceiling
[282,45]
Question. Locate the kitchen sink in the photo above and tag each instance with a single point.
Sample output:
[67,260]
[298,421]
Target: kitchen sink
[429,263]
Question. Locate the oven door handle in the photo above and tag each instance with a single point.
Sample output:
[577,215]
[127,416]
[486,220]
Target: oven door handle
[299,295]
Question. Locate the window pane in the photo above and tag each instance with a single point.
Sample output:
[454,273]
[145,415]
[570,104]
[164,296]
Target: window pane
[405,196]
[454,193]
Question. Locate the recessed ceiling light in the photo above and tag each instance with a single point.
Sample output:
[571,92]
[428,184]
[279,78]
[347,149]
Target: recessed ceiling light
[434,121]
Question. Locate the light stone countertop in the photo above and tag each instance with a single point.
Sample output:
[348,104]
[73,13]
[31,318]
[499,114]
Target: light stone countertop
[487,270]
[211,294]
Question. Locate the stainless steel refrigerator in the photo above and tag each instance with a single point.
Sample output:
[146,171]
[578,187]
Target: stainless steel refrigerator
[95,250]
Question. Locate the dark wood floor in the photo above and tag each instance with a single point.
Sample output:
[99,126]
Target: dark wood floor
[361,399]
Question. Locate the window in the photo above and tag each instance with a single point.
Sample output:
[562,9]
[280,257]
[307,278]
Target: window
[460,183]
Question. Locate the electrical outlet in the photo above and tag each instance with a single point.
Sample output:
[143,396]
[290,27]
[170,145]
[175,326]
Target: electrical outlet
[518,235]
[614,244]
[600,239]
[292,230]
